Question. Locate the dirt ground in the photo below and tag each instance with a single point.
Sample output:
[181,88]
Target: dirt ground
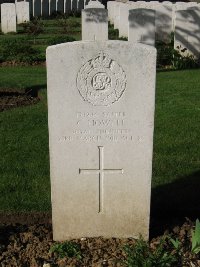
[26,239]
[12,99]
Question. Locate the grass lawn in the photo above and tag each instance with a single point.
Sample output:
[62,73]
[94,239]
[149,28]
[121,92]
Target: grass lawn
[24,164]
[24,167]
[52,31]
[51,28]
[177,121]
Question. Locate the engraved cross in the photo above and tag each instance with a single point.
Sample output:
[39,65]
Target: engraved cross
[100,171]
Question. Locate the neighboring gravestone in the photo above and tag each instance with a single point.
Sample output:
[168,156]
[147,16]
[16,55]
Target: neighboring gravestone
[184,5]
[94,24]
[94,4]
[143,4]
[23,13]
[142,26]
[101,121]
[124,14]
[117,14]
[111,8]
[197,7]
[163,21]
[181,6]
[187,32]
[123,24]
[8,18]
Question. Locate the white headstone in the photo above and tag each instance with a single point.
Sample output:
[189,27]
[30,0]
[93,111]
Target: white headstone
[95,24]
[111,8]
[181,6]
[197,7]
[163,21]
[143,4]
[8,18]
[23,13]
[101,120]
[142,26]
[123,24]
[187,32]
[124,14]
[94,4]
[184,5]
[117,14]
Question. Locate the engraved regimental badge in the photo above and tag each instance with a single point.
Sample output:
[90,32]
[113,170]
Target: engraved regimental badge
[101,81]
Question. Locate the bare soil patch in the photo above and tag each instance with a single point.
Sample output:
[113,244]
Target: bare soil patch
[25,240]
[11,99]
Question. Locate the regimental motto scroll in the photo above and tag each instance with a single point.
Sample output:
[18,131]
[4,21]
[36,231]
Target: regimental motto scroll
[101,81]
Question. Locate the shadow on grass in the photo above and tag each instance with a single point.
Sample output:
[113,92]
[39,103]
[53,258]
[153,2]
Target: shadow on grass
[173,70]
[172,203]
[33,90]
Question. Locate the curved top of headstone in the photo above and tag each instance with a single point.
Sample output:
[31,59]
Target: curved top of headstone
[94,4]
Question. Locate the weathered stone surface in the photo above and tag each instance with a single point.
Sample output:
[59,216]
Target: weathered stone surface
[111,9]
[164,21]
[123,24]
[23,13]
[117,14]
[143,4]
[142,26]
[181,6]
[95,24]
[8,18]
[94,4]
[187,32]
[184,5]
[124,13]
[101,119]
